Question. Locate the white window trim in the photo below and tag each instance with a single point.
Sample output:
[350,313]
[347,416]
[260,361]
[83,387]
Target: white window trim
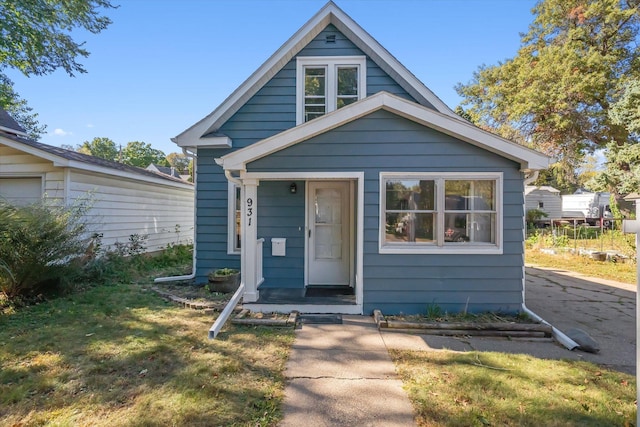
[231,219]
[331,63]
[434,248]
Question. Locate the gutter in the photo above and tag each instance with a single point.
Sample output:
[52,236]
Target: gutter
[195,225]
[235,299]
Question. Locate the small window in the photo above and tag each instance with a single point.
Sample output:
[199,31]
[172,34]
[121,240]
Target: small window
[315,92]
[347,86]
[326,84]
[540,205]
[234,233]
[445,212]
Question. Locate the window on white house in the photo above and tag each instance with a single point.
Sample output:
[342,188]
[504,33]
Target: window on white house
[426,212]
[234,233]
[327,83]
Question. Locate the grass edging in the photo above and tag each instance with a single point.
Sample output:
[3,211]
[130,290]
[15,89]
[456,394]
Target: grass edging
[187,303]
[493,329]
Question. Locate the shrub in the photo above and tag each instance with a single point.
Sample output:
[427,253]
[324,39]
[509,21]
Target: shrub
[42,246]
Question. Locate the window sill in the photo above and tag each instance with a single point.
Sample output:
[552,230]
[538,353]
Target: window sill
[442,250]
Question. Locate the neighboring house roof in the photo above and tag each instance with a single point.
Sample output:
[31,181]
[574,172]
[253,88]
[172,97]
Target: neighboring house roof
[529,188]
[528,159]
[204,131]
[9,125]
[67,158]
[167,170]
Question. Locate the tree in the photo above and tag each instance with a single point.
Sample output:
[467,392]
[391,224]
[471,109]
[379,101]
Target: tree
[17,107]
[139,154]
[35,38]
[626,111]
[100,147]
[622,170]
[556,93]
[178,161]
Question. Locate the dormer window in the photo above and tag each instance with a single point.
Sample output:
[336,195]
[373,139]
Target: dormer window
[327,83]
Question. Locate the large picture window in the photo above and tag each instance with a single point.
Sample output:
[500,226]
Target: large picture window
[328,83]
[440,212]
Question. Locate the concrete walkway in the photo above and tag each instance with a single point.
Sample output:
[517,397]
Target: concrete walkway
[342,375]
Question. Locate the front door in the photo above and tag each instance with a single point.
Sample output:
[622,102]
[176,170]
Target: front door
[329,244]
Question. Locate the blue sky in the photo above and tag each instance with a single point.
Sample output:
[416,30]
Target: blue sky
[163,65]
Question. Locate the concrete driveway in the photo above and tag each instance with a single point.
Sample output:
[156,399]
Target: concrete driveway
[605,309]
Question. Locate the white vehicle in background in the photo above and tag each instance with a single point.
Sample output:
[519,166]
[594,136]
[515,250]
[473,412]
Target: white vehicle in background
[592,208]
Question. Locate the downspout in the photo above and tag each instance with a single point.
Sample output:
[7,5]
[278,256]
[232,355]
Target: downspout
[231,178]
[237,296]
[195,222]
[530,177]
[559,336]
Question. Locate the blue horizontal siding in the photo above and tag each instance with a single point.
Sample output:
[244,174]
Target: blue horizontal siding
[384,142]
[281,214]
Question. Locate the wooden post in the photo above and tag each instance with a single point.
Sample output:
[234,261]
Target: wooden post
[633,226]
[249,239]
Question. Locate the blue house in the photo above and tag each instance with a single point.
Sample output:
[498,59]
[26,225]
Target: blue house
[339,183]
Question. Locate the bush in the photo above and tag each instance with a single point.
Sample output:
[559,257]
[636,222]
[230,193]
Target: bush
[42,246]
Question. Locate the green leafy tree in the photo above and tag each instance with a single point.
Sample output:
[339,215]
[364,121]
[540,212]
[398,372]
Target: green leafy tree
[35,39]
[139,154]
[178,161]
[556,93]
[100,147]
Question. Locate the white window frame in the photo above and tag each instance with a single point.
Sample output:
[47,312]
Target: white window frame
[332,63]
[231,218]
[438,247]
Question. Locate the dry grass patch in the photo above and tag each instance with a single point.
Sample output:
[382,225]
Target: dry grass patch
[120,355]
[474,389]
[619,271]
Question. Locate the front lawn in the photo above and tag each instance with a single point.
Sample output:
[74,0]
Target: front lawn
[497,389]
[115,355]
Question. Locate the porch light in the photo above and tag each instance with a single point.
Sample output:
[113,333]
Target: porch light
[293,188]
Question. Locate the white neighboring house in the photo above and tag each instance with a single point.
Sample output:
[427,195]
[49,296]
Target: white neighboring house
[125,200]
[544,198]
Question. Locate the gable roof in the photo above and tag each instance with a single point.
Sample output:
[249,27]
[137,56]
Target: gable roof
[67,158]
[9,125]
[527,158]
[529,188]
[205,129]
[166,170]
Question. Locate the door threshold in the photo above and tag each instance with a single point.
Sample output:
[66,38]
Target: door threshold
[328,291]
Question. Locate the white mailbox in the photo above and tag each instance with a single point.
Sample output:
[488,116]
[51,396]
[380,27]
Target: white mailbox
[278,246]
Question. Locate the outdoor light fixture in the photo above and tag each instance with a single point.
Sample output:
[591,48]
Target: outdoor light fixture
[293,188]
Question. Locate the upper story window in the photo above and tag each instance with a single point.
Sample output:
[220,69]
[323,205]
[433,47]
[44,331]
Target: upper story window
[327,83]
[442,212]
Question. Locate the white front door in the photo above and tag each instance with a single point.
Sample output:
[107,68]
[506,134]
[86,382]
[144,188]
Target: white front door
[329,244]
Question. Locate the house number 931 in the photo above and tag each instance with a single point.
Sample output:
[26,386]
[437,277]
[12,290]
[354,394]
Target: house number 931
[249,210]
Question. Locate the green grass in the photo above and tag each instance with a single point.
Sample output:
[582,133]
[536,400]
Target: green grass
[476,389]
[119,355]
[619,271]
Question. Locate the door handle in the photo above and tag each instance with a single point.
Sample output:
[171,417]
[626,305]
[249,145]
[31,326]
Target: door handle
[309,233]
